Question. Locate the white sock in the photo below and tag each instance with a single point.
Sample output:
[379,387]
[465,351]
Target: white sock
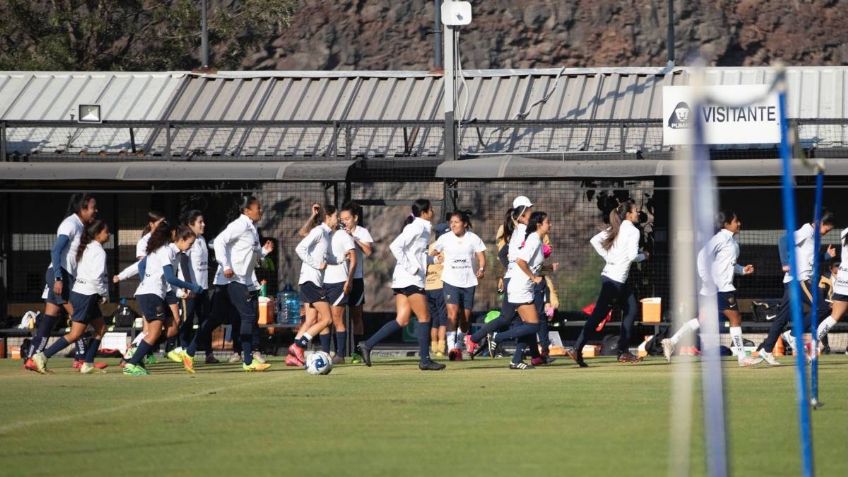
[691,325]
[736,340]
[138,338]
[789,339]
[824,327]
[451,335]
[308,337]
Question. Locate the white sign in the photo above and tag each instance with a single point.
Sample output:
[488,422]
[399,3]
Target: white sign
[732,119]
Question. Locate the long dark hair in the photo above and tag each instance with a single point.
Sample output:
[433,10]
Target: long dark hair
[419,206]
[464,217]
[152,216]
[536,219]
[190,216]
[78,202]
[88,235]
[616,217]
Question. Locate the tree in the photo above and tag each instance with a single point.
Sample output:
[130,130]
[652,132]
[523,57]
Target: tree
[133,34]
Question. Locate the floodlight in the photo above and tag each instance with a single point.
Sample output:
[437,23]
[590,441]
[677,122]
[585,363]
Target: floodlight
[456,13]
[89,113]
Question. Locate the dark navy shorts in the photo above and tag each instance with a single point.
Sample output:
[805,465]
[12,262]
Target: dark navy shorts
[727,301]
[311,293]
[357,293]
[86,307]
[171,297]
[410,290]
[67,285]
[463,297]
[335,294]
[436,308]
[839,297]
[152,307]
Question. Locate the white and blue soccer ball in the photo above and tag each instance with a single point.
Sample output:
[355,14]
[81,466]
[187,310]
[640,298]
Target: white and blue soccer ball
[318,363]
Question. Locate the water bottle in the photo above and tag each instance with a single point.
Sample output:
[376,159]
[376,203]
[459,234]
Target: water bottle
[289,306]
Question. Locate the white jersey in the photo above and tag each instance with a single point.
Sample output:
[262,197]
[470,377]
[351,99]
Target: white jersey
[362,235]
[516,241]
[237,248]
[198,257]
[804,253]
[623,252]
[337,264]
[840,285]
[520,288]
[72,227]
[313,251]
[459,254]
[153,282]
[91,276]
[141,245]
[717,263]
[410,251]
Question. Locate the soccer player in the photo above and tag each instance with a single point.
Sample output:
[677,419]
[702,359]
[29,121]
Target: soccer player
[410,251]
[90,289]
[839,292]
[313,251]
[618,245]
[194,266]
[349,216]
[161,263]
[60,275]
[457,249]
[520,291]
[434,291]
[804,254]
[717,266]
[338,285]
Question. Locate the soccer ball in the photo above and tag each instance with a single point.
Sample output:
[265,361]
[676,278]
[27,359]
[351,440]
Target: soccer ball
[319,362]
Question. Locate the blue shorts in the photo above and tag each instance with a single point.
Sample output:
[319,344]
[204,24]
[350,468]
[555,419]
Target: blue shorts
[86,307]
[335,294]
[410,290]
[436,308]
[67,285]
[839,297]
[463,297]
[357,293]
[311,293]
[152,307]
[727,301]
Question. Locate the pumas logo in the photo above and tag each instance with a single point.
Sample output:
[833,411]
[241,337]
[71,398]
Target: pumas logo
[680,117]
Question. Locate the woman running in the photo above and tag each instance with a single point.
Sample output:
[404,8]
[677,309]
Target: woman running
[458,250]
[90,289]
[60,275]
[160,273]
[410,251]
[839,295]
[350,215]
[338,285]
[194,267]
[618,245]
[434,291]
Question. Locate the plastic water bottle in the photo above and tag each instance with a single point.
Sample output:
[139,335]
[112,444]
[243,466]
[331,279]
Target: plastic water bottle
[289,306]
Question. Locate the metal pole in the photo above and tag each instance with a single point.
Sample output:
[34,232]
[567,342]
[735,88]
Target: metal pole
[669,42]
[204,36]
[450,95]
[437,34]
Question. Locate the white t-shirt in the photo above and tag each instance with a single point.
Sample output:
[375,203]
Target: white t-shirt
[153,282]
[623,252]
[717,263]
[141,245]
[410,251]
[363,235]
[337,264]
[91,276]
[313,251]
[73,227]
[459,256]
[516,241]
[840,285]
[198,257]
[804,252]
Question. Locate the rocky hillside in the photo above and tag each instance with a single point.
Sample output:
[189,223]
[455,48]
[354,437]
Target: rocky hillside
[396,34]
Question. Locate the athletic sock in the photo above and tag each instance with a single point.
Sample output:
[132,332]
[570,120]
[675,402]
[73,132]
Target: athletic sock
[143,348]
[325,342]
[520,346]
[91,352]
[170,343]
[423,332]
[139,338]
[191,349]
[388,329]
[304,340]
[692,325]
[789,339]
[247,348]
[451,337]
[40,341]
[79,349]
[736,340]
[57,346]
[341,343]
[824,327]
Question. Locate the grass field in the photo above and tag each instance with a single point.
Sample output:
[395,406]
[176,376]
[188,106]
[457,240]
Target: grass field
[476,418]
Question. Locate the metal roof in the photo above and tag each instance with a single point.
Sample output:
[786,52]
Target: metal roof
[340,99]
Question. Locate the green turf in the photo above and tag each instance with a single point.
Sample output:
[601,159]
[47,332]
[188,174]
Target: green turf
[476,418]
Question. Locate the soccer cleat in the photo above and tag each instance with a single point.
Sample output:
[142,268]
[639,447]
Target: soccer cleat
[29,365]
[297,352]
[150,359]
[355,358]
[255,366]
[769,358]
[234,358]
[521,366]
[293,362]
[628,358]
[188,361]
[211,359]
[542,360]
[91,368]
[493,347]
[455,354]
[135,370]
[257,356]
[470,345]
[668,348]
[40,362]
[175,355]
[365,352]
[430,365]
[338,360]
[577,356]
[440,354]
[77,364]
[749,361]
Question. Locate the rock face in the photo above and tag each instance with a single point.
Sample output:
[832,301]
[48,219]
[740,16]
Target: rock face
[397,34]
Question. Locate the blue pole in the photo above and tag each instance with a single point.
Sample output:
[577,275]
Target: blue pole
[814,319]
[788,196]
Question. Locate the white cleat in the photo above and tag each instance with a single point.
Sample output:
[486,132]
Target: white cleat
[40,362]
[88,368]
[234,358]
[257,356]
[749,361]
[668,348]
[769,358]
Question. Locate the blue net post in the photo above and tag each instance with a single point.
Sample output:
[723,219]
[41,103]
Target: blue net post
[814,318]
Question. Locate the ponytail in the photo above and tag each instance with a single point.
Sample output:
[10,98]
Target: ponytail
[419,206]
[536,219]
[153,216]
[159,237]
[88,236]
[616,217]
